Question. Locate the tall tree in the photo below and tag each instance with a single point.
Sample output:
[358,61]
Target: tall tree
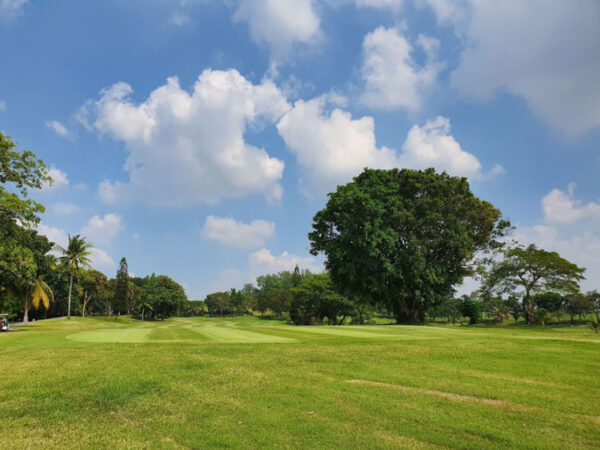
[19,172]
[92,282]
[403,237]
[121,303]
[75,255]
[531,270]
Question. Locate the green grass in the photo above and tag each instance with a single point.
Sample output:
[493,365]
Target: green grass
[251,383]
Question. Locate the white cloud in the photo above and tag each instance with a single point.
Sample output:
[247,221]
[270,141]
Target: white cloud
[546,52]
[102,230]
[58,128]
[54,234]
[572,229]
[10,9]
[392,77]
[60,179]
[333,148]
[99,258]
[280,23]
[432,145]
[263,262]
[562,208]
[188,148]
[238,234]
[64,209]
[2,106]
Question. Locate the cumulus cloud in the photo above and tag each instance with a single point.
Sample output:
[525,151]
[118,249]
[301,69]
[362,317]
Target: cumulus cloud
[103,230]
[60,179]
[238,234]
[546,52]
[331,148]
[392,77]
[99,258]
[188,148]
[432,145]
[58,128]
[280,23]
[561,207]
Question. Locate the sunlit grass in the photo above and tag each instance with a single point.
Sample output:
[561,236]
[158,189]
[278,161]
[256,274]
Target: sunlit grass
[251,383]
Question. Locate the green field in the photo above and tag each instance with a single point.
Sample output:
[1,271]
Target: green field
[252,383]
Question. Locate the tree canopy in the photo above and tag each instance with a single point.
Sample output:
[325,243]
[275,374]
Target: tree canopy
[403,237]
[532,270]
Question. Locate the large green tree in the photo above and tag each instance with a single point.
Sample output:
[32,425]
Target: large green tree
[403,237]
[529,271]
[19,172]
[75,255]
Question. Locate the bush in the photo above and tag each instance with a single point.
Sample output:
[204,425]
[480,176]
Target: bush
[541,316]
[471,309]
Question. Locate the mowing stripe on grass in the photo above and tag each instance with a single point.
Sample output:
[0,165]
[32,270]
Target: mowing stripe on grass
[227,334]
[111,335]
[344,332]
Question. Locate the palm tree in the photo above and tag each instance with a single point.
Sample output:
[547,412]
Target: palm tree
[36,292]
[76,254]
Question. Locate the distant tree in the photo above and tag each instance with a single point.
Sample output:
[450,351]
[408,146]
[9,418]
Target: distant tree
[470,308]
[550,301]
[75,255]
[296,276]
[404,237]
[594,302]
[122,288]
[577,304]
[218,303]
[514,306]
[165,296]
[532,270]
[92,282]
[315,299]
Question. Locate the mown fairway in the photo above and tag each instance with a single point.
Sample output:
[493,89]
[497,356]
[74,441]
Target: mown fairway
[252,383]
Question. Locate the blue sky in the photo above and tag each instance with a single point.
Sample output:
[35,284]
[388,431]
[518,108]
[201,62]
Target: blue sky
[198,138]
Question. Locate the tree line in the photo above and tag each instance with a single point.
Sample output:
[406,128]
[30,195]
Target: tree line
[394,241]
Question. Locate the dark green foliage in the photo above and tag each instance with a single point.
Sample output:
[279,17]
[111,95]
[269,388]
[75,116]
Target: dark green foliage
[121,299]
[315,299]
[471,308]
[541,316]
[403,237]
[550,301]
[164,296]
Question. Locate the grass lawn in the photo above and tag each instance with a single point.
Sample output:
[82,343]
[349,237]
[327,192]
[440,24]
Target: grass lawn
[251,383]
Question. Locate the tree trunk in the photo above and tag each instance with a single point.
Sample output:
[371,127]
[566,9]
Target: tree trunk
[85,301]
[70,290]
[26,312]
[406,312]
[528,307]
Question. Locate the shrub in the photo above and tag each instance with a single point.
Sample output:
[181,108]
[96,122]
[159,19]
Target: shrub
[541,316]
